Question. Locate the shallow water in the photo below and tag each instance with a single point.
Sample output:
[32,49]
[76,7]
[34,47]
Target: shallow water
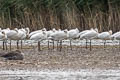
[60,75]
[67,42]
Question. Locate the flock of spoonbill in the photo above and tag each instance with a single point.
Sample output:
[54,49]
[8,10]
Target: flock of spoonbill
[54,35]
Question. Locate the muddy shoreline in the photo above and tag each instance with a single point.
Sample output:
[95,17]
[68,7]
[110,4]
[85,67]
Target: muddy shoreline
[76,59]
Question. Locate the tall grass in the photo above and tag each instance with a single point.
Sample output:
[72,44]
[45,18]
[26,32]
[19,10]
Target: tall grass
[83,14]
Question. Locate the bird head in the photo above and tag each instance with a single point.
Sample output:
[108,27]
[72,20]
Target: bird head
[3,32]
[4,35]
[44,29]
[59,29]
[16,29]
[27,31]
[110,31]
[53,29]
[44,32]
[96,29]
[91,28]
[8,29]
[77,29]
[66,31]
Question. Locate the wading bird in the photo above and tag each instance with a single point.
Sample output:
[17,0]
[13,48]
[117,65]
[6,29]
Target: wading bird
[59,36]
[39,37]
[105,36]
[89,35]
[83,32]
[3,37]
[37,31]
[49,33]
[73,34]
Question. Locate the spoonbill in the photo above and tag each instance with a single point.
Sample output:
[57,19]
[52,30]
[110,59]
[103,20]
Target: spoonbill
[113,36]
[73,34]
[37,31]
[12,35]
[89,35]
[22,34]
[105,36]
[82,32]
[39,37]
[3,37]
[117,37]
[59,36]
[49,33]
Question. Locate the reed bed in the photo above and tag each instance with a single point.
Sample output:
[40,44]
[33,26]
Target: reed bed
[83,14]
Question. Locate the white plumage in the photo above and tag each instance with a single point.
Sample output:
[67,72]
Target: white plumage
[89,34]
[39,36]
[59,35]
[3,36]
[50,32]
[117,37]
[105,35]
[82,32]
[37,31]
[73,33]
[22,33]
[12,34]
[114,35]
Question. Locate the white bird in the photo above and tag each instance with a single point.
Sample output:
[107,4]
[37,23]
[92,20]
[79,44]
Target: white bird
[5,30]
[105,36]
[39,37]
[73,34]
[117,37]
[49,33]
[11,34]
[22,34]
[89,35]
[113,36]
[3,37]
[16,34]
[37,31]
[85,31]
[59,36]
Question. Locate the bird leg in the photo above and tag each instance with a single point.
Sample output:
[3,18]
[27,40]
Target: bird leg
[17,44]
[21,44]
[60,45]
[53,44]
[6,44]
[48,45]
[90,45]
[70,44]
[39,47]
[80,45]
[3,46]
[10,45]
[119,44]
[104,43]
[57,44]
[86,44]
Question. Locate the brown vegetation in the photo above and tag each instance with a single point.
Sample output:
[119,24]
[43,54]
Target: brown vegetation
[37,14]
